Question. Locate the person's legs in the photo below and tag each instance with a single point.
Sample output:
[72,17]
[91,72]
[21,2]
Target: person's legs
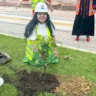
[87,38]
[77,38]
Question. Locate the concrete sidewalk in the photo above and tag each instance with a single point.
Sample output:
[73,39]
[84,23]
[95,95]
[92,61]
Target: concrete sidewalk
[15,27]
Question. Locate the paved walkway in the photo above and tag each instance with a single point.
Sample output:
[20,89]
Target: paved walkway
[13,22]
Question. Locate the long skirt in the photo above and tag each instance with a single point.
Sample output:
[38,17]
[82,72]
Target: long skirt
[83,26]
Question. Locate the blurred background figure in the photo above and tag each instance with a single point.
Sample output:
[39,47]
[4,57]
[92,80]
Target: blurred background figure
[34,2]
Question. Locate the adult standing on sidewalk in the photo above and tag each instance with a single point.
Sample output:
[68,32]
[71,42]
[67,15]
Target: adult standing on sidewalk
[84,20]
[34,2]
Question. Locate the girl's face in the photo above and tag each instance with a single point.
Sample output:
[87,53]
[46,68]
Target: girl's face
[41,16]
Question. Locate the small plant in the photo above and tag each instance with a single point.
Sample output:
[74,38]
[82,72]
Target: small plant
[45,46]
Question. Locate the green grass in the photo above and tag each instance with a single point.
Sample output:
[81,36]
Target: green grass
[8,90]
[80,63]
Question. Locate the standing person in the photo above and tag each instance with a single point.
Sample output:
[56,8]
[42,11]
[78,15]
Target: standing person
[33,4]
[84,20]
[39,25]
[49,4]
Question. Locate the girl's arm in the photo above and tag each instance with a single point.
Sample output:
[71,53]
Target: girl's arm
[55,50]
[49,5]
[19,3]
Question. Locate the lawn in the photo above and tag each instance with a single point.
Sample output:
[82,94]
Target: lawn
[71,63]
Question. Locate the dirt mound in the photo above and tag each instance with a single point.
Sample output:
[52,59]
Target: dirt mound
[76,86]
[32,83]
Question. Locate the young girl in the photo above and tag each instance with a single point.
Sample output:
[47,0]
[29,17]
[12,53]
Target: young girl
[39,25]
[84,20]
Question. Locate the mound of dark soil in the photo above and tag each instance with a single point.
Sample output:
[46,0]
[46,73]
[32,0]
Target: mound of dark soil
[32,83]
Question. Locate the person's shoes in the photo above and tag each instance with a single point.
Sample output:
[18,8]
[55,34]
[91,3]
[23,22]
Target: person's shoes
[77,38]
[88,39]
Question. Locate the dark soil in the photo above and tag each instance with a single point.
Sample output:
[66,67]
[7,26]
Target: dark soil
[35,82]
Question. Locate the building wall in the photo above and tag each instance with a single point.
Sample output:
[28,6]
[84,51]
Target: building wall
[28,2]
[9,1]
[13,1]
[67,1]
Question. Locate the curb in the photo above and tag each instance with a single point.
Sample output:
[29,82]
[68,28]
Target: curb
[23,18]
[60,24]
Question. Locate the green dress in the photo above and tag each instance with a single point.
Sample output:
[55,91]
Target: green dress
[43,54]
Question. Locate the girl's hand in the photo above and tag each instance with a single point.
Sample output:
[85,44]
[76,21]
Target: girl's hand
[55,52]
[94,11]
[18,6]
[51,9]
[35,48]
